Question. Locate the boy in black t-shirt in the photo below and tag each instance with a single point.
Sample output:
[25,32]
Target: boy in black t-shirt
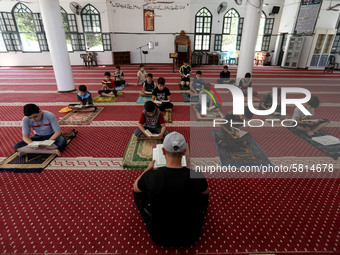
[148,86]
[161,96]
[173,199]
[224,76]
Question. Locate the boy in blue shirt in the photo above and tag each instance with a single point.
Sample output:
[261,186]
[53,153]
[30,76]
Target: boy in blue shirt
[196,84]
[85,101]
[45,127]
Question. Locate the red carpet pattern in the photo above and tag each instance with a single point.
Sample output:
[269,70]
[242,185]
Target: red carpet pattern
[82,203]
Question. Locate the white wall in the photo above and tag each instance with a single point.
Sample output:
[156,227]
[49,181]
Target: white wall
[326,20]
[126,26]
[43,58]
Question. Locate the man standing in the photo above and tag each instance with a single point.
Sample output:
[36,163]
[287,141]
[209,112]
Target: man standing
[173,199]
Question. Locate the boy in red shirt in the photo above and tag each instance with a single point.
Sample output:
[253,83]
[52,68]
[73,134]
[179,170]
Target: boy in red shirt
[151,119]
[108,88]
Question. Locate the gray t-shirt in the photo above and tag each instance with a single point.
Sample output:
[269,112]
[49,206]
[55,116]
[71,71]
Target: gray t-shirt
[299,114]
[47,126]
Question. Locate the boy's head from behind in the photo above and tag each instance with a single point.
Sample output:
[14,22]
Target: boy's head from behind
[161,83]
[150,108]
[82,89]
[149,77]
[247,76]
[314,102]
[33,112]
[198,74]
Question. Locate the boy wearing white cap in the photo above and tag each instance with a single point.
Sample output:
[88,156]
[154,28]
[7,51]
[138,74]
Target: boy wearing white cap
[172,199]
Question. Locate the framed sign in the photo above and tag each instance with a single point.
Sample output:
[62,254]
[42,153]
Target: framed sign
[307,17]
[149,20]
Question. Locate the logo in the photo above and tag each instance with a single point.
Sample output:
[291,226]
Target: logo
[204,99]
[238,103]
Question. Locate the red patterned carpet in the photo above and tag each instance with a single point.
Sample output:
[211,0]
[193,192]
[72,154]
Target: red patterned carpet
[82,202]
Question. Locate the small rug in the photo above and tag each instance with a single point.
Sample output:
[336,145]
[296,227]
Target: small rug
[100,99]
[80,118]
[120,88]
[332,151]
[138,153]
[167,117]
[29,163]
[215,113]
[143,100]
[247,155]
[188,99]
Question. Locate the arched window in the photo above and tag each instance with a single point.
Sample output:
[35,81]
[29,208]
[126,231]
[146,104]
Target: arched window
[27,27]
[92,28]
[230,30]
[260,32]
[203,21]
[71,30]
[91,19]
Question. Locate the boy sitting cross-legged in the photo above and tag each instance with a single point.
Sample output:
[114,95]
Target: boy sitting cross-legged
[85,101]
[305,124]
[148,86]
[108,88]
[161,96]
[153,120]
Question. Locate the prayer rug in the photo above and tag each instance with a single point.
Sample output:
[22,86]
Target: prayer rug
[120,88]
[138,153]
[332,151]
[167,117]
[188,99]
[143,100]
[215,113]
[29,163]
[246,155]
[80,118]
[100,99]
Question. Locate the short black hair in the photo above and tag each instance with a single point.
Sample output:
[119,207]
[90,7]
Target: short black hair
[161,81]
[314,102]
[199,72]
[149,106]
[30,109]
[248,75]
[225,67]
[118,67]
[82,88]
[185,61]
[247,113]
[150,75]
[141,65]
[107,74]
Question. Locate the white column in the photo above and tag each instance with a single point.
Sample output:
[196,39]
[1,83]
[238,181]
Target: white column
[249,36]
[55,34]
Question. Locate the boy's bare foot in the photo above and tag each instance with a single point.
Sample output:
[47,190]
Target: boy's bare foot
[310,133]
[20,154]
[57,152]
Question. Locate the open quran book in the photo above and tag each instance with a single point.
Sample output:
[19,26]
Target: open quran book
[36,144]
[157,155]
